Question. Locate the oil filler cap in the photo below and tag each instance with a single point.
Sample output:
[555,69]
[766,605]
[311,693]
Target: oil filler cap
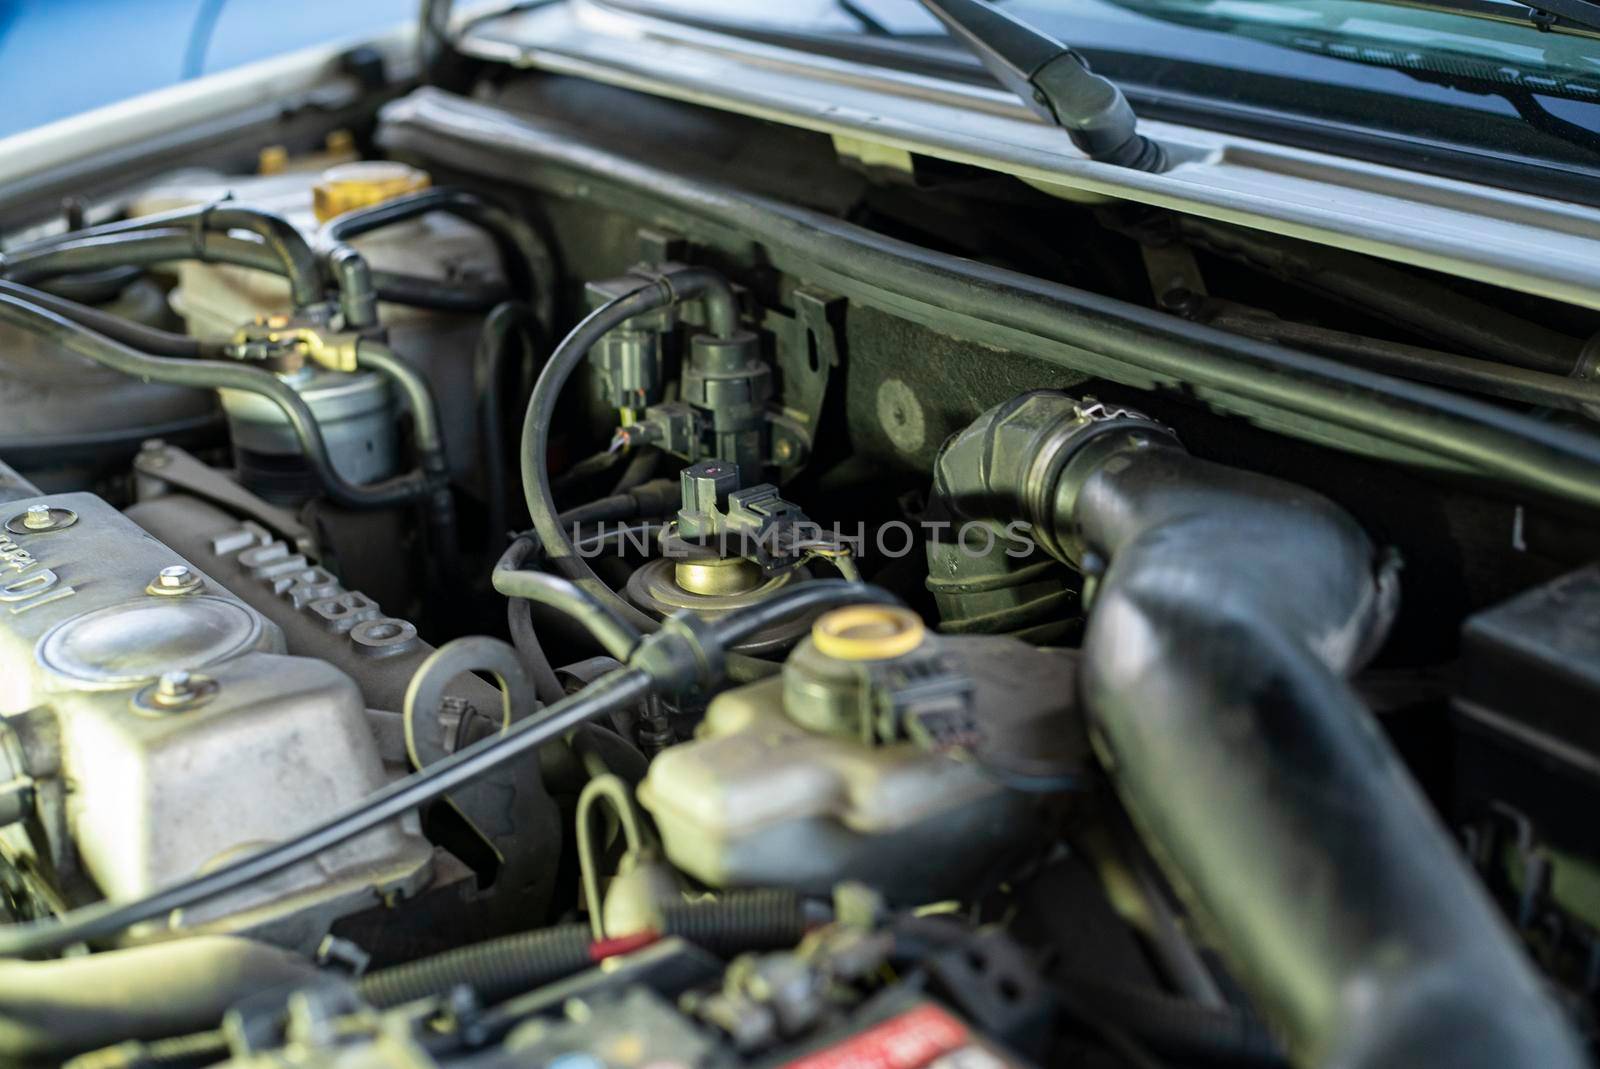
[361,185]
[867,633]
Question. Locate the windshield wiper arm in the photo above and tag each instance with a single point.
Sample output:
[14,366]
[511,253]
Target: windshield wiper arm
[1545,14]
[1054,81]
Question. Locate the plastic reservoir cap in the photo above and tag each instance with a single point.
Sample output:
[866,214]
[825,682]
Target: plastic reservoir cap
[867,632]
[361,185]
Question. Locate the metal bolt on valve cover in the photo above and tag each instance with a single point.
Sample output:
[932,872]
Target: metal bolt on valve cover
[39,519]
[175,691]
[174,580]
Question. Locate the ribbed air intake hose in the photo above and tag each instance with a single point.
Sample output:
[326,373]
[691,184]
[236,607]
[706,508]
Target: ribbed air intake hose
[1225,611]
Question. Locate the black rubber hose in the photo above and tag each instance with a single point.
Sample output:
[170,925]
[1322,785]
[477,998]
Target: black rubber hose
[649,500]
[1308,396]
[51,1010]
[134,335]
[33,264]
[427,430]
[1176,1027]
[94,287]
[282,241]
[722,312]
[509,325]
[71,259]
[501,968]
[214,375]
[615,633]
[587,468]
[461,298]
[641,466]
[524,639]
[528,258]
[1229,611]
[619,689]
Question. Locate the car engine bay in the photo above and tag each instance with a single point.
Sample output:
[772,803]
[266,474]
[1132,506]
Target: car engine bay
[543,575]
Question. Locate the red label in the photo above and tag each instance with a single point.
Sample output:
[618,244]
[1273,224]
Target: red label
[908,1041]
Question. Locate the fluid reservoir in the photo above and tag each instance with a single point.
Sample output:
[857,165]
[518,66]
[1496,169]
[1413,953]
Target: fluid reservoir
[858,762]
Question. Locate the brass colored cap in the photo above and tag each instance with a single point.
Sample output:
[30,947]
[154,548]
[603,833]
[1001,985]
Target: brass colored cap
[718,578]
[361,185]
[867,632]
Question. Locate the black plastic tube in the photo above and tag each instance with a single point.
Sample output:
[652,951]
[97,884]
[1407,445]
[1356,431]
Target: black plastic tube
[1298,393]
[618,689]
[566,358]
[213,375]
[722,315]
[134,335]
[528,258]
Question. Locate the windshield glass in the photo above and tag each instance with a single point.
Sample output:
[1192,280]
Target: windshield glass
[62,57]
[1401,83]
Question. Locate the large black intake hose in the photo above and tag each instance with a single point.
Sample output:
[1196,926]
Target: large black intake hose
[1226,610]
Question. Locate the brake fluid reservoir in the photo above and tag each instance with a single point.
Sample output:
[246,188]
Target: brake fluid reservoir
[854,764]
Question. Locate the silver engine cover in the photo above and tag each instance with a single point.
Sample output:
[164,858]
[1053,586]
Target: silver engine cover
[137,783]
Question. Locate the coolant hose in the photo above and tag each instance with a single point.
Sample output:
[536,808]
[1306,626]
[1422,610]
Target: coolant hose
[766,919]
[1229,608]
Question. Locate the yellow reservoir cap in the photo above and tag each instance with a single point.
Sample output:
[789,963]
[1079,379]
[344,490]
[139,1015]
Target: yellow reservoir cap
[867,632]
[361,185]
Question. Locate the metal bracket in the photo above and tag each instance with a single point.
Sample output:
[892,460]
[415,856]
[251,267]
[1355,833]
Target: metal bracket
[160,469]
[809,346]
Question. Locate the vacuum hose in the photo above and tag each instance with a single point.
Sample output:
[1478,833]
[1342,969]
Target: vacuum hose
[1226,609]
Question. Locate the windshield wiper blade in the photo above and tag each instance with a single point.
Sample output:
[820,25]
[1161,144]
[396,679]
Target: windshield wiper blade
[1054,81]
